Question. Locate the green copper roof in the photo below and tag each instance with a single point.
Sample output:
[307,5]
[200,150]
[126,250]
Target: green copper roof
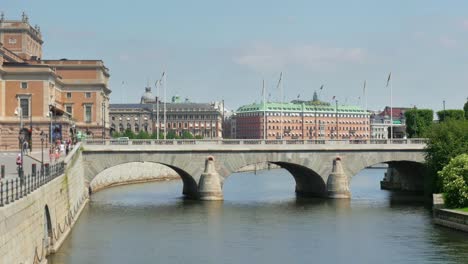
[291,107]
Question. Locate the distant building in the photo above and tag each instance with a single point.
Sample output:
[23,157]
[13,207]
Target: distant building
[301,120]
[200,119]
[380,123]
[48,96]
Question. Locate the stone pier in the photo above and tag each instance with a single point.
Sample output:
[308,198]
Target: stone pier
[338,183]
[209,187]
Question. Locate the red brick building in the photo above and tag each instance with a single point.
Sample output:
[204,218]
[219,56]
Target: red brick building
[305,120]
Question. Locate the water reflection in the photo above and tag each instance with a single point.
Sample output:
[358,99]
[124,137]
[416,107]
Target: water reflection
[260,221]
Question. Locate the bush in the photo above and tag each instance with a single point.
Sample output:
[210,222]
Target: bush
[454,177]
[451,115]
[446,141]
[418,122]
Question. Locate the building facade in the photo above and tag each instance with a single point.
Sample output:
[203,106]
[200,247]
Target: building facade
[200,119]
[53,97]
[381,123]
[301,120]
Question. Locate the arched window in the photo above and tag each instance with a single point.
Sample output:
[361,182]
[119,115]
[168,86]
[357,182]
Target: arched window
[137,128]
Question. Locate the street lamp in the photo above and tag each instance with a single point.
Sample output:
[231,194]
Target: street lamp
[43,137]
[50,115]
[20,165]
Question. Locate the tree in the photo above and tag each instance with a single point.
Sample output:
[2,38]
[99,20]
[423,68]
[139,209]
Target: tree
[116,134]
[187,135]
[142,135]
[454,177]
[172,135]
[465,108]
[452,114]
[128,133]
[418,122]
[446,141]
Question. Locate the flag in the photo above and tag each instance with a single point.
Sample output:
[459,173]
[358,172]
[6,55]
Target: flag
[364,89]
[321,87]
[263,88]
[333,98]
[279,81]
[299,95]
[389,77]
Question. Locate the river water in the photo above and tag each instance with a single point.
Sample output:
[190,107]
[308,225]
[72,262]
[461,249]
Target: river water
[260,221]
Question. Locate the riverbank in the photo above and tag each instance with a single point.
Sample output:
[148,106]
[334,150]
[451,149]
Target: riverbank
[454,219]
[451,218]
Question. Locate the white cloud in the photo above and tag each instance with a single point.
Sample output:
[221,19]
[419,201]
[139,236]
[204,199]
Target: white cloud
[265,57]
[448,42]
[464,24]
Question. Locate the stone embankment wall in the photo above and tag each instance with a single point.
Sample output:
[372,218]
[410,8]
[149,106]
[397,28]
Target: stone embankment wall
[446,217]
[36,225]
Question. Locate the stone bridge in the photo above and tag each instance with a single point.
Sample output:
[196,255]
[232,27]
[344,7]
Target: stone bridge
[311,163]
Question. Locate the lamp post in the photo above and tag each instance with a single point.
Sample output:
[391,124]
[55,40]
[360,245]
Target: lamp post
[51,128]
[20,165]
[336,114]
[43,137]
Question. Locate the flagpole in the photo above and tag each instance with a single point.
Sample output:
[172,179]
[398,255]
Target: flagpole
[365,94]
[264,111]
[282,98]
[391,110]
[165,84]
[157,109]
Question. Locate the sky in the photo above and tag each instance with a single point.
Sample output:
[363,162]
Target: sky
[215,50]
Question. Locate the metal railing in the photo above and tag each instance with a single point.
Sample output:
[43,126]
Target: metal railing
[419,141]
[12,190]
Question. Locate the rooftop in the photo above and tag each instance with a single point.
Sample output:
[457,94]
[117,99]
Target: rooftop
[294,107]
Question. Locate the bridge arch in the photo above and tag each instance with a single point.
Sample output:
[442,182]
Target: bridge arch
[308,181]
[406,170]
[128,172]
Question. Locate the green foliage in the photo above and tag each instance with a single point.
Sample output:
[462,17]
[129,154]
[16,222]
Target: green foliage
[116,134]
[454,114]
[142,135]
[145,135]
[128,133]
[418,122]
[454,177]
[187,135]
[172,135]
[446,141]
[465,108]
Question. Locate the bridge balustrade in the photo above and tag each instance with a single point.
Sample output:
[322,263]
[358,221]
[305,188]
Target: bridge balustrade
[250,141]
[12,190]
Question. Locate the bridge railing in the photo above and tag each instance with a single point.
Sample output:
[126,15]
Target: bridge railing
[12,190]
[249,141]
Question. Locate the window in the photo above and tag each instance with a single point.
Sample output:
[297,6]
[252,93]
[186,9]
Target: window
[88,113]
[12,41]
[24,104]
[87,95]
[69,109]
[24,85]
[68,95]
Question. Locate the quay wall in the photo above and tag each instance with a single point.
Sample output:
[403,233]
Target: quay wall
[36,225]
